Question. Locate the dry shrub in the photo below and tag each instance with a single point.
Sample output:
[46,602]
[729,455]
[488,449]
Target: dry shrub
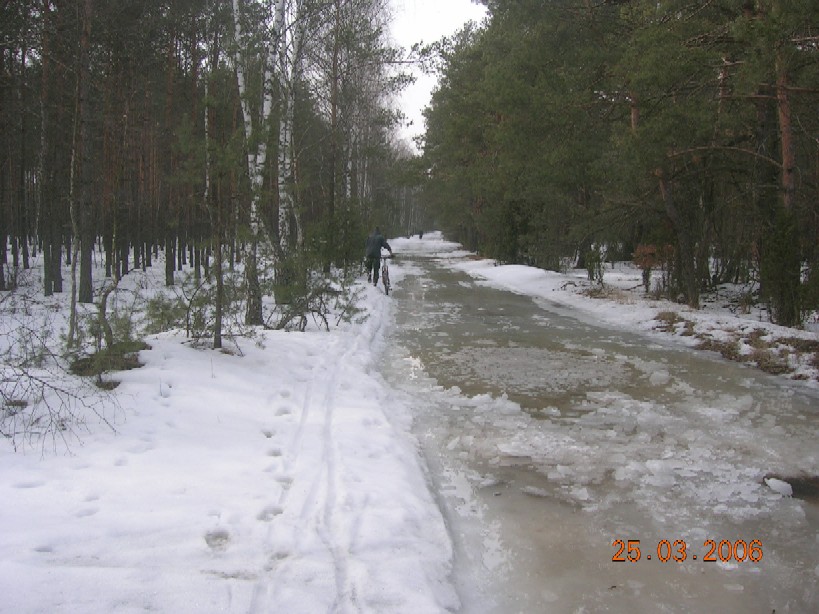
[803,346]
[667,321]
[728,349]
[608,293]
[770,362]
[670,320]
[756,341]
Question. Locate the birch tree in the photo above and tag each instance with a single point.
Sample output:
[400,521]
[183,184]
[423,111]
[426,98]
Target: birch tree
[280,61]
[257,118]
[293,25]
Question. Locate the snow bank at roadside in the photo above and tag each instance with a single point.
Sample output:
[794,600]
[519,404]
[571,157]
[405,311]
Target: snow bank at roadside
[279,476]
[719,325]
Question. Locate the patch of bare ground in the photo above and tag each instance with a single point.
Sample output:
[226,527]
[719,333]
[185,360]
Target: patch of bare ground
[758,348]
[771,354]
[790,356]
[609,293]
[729,349]
[670,321]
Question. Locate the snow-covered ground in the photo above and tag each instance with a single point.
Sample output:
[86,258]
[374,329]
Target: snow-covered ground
[267,478]
[278,476]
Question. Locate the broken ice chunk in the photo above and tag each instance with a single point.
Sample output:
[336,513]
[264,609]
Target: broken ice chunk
[777,485]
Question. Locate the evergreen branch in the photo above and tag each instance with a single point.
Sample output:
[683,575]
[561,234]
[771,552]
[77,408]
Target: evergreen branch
[709,148]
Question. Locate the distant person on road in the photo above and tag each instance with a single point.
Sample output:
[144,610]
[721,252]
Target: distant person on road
[373,246]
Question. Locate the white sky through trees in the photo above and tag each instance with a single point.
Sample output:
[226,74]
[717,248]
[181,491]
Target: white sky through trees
[427,21]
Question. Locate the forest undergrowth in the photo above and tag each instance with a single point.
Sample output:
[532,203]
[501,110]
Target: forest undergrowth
[51,389]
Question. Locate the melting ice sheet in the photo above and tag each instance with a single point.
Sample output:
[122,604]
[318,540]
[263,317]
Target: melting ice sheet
[552,442]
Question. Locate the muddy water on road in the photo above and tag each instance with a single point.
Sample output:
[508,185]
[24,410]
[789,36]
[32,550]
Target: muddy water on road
[549,440]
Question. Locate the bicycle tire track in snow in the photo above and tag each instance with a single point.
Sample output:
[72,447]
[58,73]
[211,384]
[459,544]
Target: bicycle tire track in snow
[332,547]
[309,497]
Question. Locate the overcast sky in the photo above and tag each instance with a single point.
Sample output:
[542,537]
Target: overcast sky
[427,21]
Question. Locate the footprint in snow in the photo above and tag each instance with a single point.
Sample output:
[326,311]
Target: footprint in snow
[165,390]
[269,513]
[275,559]
[286,481]
[141,448]
[217,539]
[32,484]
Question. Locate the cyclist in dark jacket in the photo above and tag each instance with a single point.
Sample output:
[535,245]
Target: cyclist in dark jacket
[373,246]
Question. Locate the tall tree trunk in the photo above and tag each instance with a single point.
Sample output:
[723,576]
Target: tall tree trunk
[686,250]
[22,202]
[170,258]
[85,203]
[290,68]
[253,313]
[286,89]
[220,289]
[5,113]
[781,269]
[212,206]
[48,225]
[335,146]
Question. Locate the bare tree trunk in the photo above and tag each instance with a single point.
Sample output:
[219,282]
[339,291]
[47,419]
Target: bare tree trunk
[686,255]
[782,269]
[4,178]
[253,313]
[22,202]
[335,154]
[85,204]
[786,139]
[45,217]
[220,288]
[80,166]
[290,59]
[170,257]
[212,207]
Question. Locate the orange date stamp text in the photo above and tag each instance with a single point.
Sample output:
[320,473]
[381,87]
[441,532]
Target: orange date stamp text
[739,551]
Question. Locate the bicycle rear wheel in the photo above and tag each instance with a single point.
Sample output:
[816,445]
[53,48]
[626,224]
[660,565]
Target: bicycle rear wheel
[385,277]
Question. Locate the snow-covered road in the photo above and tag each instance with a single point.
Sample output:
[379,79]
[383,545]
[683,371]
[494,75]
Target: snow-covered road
[424,459]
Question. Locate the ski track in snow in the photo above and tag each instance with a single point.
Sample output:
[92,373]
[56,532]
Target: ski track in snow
[314,490]
[321,537]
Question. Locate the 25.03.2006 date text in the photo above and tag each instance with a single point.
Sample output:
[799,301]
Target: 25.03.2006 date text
[677,551]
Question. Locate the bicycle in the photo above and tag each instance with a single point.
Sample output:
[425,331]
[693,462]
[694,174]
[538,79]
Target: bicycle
[385,273]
